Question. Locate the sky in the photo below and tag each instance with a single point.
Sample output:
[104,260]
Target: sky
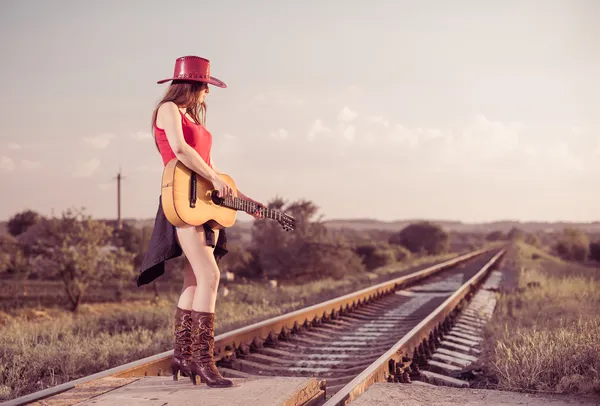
[465,110]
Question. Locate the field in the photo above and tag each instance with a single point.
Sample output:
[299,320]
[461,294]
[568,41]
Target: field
[545,333]
[45,346]
[543,336]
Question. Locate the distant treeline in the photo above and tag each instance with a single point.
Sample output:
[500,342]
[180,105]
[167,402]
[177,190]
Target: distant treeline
[83,252]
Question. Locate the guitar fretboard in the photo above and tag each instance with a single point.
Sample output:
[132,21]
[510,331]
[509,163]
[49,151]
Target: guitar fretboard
[245,205]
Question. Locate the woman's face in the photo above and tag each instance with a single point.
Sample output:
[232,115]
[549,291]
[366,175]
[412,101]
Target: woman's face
[203,92]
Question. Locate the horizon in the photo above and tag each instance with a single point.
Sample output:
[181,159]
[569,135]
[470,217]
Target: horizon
[429,110]
[247,219]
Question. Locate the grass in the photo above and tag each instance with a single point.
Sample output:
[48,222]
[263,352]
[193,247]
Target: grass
[545,334]
[41,347]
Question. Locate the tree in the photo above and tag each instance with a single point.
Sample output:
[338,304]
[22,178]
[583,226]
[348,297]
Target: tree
[76,249]
[422,237]
[14,260]
[238,261]
[533,239]
[308,251]
[375,255]
[496,235]
[574,245]
[20,222]
[595,251]
[401,253]
[128,237]
[515,234]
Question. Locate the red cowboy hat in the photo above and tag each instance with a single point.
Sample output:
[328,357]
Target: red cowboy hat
[193,68]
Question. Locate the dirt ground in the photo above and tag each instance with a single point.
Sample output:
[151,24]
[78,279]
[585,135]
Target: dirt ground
[420,394]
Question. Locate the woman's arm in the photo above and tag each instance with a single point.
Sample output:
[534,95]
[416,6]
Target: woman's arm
[241,195]
[212,163]
[170,121]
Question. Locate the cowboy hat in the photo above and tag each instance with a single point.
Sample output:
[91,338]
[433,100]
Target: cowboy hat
[193,68]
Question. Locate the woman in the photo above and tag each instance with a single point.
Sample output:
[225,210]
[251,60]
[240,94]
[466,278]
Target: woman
[178,125]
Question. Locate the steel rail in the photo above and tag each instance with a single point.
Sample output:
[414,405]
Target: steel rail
[379,370]
[227,343]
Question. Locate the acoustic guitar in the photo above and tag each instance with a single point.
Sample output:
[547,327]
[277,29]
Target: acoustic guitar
[188,199]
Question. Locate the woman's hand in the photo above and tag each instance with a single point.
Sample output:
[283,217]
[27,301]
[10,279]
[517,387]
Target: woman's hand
[256,213]
[223,188]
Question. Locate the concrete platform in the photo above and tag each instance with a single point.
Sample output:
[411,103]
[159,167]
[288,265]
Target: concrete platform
[160,391]
[394,394]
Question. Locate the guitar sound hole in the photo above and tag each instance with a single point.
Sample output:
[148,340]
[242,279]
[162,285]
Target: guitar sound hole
[215,197]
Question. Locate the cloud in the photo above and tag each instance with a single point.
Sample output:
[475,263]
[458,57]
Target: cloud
[318,128]
[100,141]
[30,165]
[553,155]
[280,134]
[403,136]
[86,169]
[478,145]
[349,133]
[378,120]
[482,145]
[346,115]
[6,164]
[369,138]
[141,136]
[13,146]
[489,139]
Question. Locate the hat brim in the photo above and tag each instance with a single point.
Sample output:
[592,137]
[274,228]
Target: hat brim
[212,81]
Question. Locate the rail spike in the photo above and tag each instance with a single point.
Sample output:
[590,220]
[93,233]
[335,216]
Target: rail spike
[271,340]
[284,334]
[243,349]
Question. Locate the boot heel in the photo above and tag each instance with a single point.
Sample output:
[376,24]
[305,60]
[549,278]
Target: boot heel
[193,378]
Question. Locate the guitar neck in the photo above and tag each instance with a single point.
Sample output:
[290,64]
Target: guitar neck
[237,203]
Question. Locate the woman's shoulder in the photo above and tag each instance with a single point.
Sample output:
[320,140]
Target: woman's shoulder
[167,112]
[168,108]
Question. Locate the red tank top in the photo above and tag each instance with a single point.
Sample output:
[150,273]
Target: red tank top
[195,135]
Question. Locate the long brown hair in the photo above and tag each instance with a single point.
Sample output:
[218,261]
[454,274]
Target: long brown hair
[183,94]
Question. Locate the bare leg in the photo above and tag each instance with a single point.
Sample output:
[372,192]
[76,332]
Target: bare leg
[189,287]
[204,267]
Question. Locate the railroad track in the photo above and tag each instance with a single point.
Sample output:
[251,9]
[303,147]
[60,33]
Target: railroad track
[380,333]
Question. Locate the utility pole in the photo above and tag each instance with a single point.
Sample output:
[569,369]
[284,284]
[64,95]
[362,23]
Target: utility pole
[119,220]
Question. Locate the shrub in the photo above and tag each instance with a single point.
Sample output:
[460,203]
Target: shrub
[595,251]
[423,237]
[375,255]
[574,245]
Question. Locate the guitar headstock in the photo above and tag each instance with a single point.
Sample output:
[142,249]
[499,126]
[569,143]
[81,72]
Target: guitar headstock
[287,221]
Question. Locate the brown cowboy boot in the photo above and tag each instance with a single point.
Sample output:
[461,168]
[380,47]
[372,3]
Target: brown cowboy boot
[203,345]
[182,351]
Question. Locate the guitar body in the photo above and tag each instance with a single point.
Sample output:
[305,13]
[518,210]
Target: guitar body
[184,207]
